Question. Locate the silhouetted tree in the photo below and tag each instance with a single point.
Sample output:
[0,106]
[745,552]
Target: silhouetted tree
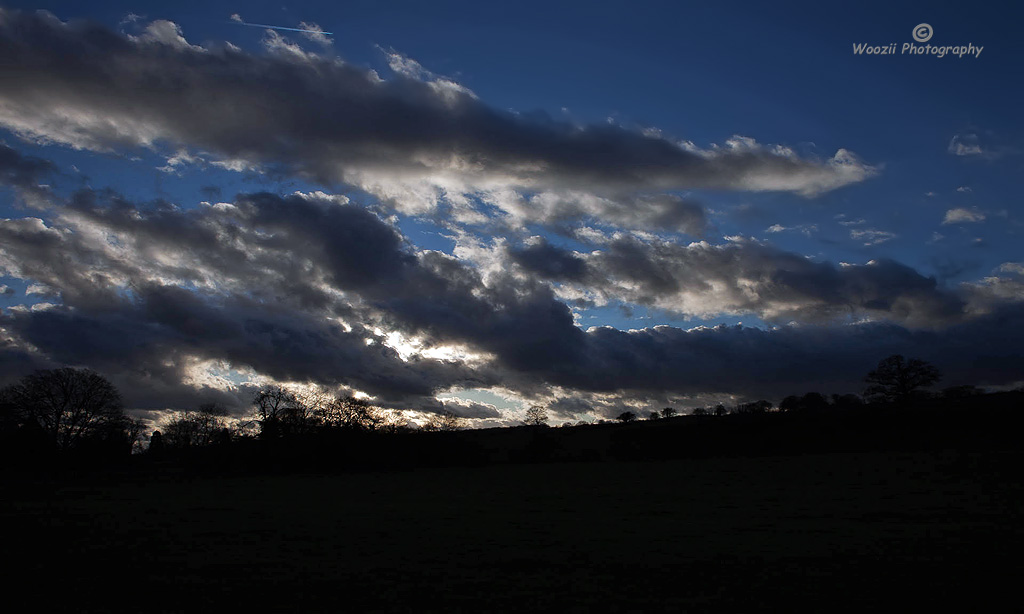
[700,411]
[134,430]
[279,412]
[668,412]
[754,407]
[720,410]
[814,402]
[392,422]
[653,415]
[68,405]
[536,416]
[626,416]
[790,403]
[196,428]
[899,380]
[350,413]
[810,402]
[443,421]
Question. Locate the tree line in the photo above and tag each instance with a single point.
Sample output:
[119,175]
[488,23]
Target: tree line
[65,410]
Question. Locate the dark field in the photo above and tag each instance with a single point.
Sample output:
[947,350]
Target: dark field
[835,532]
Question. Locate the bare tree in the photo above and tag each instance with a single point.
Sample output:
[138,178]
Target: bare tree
[272,403]
[279,411]
[536,416]
[392,421]
[195,428]
[668,412]
[69,405]
[899,380]
[626,416]
[351,413]
[444,421]
[134,430]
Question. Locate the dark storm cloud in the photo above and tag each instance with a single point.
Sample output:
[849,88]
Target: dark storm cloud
[549,261]
[470,409]
[162,323]
[258,284]
[81,84]
[304,249]
[745,277]
[753,363]
[20,171]
[24,174]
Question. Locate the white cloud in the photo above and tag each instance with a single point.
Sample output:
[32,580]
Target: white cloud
[966,144]
[961,215]
[315,33]
[1016,268]
[179,159]
[872,236]
[167,33]
[805,229]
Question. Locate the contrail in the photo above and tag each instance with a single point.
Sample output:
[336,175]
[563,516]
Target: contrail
[262,25]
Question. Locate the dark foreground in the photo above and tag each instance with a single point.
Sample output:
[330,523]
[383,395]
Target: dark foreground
[827,533]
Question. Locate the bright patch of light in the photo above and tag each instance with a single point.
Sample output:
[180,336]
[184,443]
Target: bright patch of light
[409,348]
[217,374]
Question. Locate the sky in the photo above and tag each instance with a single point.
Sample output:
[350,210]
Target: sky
[479,207]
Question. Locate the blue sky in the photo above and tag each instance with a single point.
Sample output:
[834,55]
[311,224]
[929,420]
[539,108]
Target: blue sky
[629,165]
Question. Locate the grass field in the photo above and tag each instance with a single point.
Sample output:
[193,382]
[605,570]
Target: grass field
[826,533]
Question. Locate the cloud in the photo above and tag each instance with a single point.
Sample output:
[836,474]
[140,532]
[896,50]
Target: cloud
[310,288]
[804,229]
[165,33]
[872,236]
[740,278]
[961,215]
[565,208]
[181,305]
[257,300]
[315,33]
[1016,268]
[470,409]
[966,144]
[548,261]
[322,119]
[760,363]
[972,145]
[24,174]
[130,18]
